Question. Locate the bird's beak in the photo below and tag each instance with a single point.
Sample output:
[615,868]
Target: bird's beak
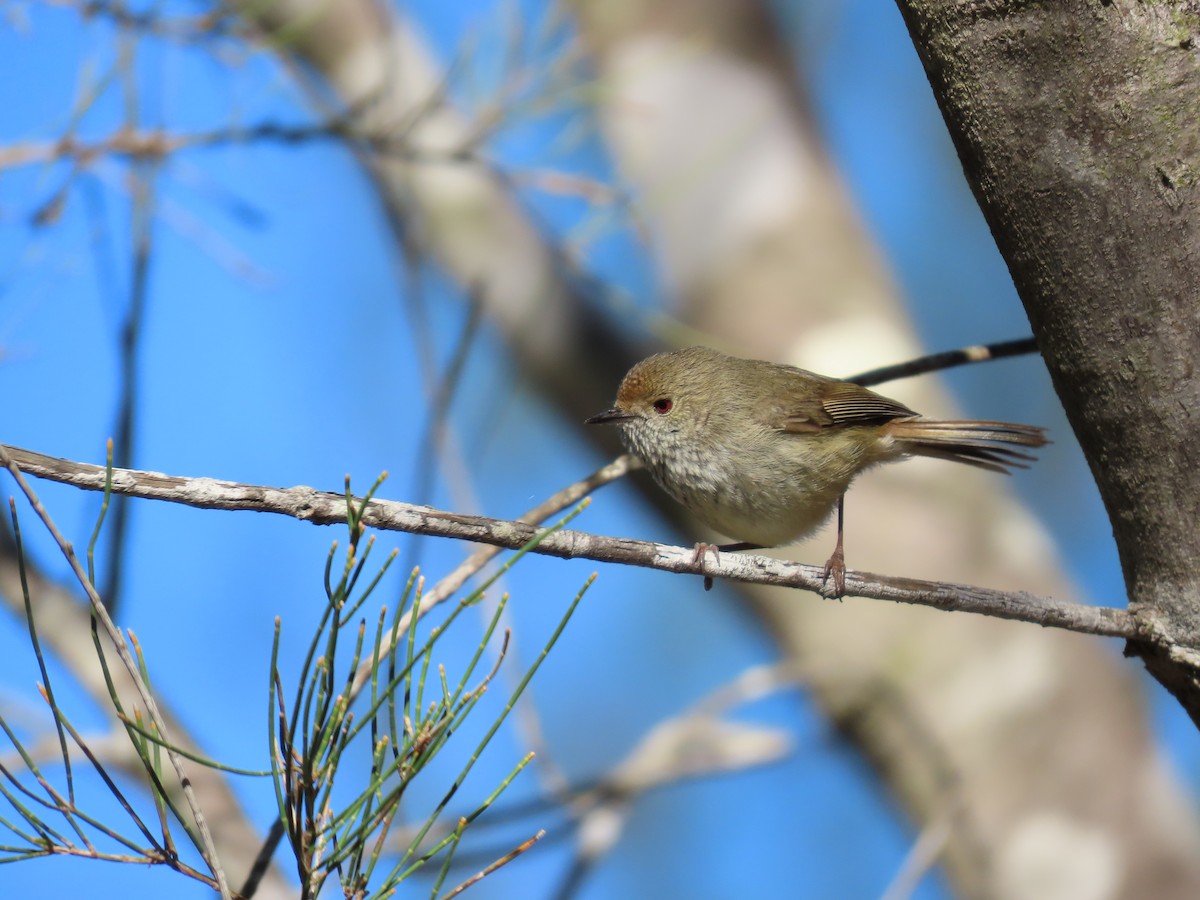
[608,416]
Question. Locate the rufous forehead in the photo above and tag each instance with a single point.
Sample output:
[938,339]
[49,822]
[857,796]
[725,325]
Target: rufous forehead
[633,387]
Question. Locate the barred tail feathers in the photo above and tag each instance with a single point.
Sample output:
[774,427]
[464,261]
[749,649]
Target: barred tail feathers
[986,445]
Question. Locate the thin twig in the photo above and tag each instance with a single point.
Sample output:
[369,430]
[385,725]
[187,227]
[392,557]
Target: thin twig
[143,186]
[504,860]
[921,858]
[442,391]
[328,508]
[211,26]
[114,634]
[155,145]
[948,359]
[70,641]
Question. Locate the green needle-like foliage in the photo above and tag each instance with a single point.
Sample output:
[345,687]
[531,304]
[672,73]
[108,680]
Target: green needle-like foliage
[412,711]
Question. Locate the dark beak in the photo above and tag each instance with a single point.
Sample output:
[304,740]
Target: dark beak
[609,416]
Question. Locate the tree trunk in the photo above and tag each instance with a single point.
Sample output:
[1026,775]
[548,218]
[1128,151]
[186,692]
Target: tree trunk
[1077,126]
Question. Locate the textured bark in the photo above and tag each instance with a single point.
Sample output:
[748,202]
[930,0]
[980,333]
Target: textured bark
[1034,745]
[1076,123]
[327,508]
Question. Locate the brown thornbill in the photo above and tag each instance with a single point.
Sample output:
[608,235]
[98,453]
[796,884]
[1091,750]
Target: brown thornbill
[763,452]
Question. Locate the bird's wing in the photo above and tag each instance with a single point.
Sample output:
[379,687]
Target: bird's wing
[836,403]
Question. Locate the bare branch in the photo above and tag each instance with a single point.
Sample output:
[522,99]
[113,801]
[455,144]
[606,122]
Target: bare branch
[949,359]
[328,508]
[156,144]
[211,26]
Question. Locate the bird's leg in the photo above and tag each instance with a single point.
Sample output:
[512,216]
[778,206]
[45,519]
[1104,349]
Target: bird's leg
[835,568]
[717,549]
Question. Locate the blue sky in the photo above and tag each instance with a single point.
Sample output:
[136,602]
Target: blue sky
[277,350]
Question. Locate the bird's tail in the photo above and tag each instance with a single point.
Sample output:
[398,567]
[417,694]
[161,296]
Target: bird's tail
[987,445]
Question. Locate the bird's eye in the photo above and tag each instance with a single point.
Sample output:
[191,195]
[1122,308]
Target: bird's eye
[662,405]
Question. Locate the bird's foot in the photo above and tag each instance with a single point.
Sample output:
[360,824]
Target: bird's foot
[698,554]
[835,571]
[717,549]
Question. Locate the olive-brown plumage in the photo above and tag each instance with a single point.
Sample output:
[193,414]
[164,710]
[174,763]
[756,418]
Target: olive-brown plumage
[763,452]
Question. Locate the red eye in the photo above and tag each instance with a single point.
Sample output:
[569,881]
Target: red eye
[662,405]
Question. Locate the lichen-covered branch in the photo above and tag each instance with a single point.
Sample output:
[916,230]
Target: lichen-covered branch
[329,508]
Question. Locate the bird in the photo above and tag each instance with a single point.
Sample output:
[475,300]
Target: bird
[764,453]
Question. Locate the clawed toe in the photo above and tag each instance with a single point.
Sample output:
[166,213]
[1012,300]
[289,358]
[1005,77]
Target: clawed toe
[698,554]
[835,571]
